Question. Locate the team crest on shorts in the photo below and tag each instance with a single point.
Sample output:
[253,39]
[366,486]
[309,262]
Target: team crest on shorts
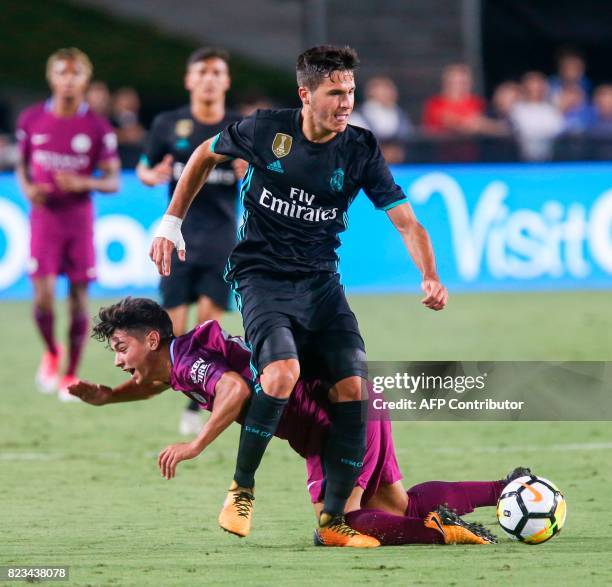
[183,128]
[337,180]
[281,145]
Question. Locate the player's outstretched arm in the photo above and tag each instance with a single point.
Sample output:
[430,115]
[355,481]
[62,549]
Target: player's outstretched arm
[231,396]
[419,247]
[128,391]
[168,235]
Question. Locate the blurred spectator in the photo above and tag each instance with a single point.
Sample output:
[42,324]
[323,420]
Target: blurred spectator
[570,71]
[8,150]
[505,96]
[380,112]
[601,123]
[99,99]
[125,116]
[456,109]
[535,120]
[577,112]
[8,153]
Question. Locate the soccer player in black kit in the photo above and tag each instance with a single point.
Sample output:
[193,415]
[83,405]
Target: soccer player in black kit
[305,168]
[210,230]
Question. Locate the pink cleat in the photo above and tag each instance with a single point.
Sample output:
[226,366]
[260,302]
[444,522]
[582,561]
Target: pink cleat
[63,394]
[47,376]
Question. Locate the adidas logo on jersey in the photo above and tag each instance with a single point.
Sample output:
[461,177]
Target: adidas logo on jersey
[276,166]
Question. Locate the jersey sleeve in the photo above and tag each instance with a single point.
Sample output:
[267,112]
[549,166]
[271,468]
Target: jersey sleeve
[108,147]
[156,145]
[237,140]
[378,183]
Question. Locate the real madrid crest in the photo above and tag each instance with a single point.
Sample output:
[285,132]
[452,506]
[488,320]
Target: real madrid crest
[337,180]
[281,145]
[183,127]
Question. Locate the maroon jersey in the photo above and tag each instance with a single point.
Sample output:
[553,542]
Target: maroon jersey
[61,229]
[49,144]
[199,359]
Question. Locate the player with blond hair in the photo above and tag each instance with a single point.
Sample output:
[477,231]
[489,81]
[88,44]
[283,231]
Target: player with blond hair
[62,143]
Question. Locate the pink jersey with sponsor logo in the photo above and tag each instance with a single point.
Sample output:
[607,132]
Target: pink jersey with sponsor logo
[49,144]
[202,356]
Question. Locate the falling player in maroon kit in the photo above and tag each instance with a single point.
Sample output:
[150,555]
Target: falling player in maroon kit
[61,143]
[213,368]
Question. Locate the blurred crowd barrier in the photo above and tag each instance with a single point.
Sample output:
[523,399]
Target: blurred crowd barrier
[427,149]
[494,227]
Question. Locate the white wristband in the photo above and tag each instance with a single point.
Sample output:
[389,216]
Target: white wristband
[170,229]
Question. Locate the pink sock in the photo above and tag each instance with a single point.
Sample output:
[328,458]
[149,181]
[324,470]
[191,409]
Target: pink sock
[44,321]
[462,496]
[78,336]
[392,530]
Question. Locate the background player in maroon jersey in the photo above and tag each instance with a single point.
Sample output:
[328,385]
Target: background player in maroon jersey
[61,143]
[213,368]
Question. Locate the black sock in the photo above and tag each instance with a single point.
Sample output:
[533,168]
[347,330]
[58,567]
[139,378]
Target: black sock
[193,406]
[343,453]
[259,426]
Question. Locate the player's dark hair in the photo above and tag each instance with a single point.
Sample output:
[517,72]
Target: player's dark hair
[317,63]
[205,53]
[132,314]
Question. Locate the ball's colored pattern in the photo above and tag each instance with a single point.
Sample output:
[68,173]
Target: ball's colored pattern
[531,509]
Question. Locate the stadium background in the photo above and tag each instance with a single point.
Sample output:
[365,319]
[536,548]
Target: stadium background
[79,486]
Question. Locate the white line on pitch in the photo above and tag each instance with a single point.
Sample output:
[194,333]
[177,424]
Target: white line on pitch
[59,456]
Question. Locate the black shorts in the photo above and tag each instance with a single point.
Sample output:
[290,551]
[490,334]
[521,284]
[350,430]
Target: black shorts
[305,318]
[187,282]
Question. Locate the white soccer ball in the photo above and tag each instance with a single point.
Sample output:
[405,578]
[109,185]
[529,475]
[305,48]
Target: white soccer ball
[531,509]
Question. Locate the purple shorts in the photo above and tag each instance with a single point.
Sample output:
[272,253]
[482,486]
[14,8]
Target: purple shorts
[379,464]
[61,242]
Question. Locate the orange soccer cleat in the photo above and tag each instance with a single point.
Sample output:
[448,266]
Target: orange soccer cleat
[457,531]
[235,516]
[334,531]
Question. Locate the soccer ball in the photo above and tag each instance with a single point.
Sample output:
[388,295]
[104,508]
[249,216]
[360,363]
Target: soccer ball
[531,509]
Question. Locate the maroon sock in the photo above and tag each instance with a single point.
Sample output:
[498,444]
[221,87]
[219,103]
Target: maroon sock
[462,496]
[78,336]
[44,321]
[392,530]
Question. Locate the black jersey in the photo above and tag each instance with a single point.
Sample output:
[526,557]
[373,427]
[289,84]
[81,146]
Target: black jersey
[210,227]
[296,193]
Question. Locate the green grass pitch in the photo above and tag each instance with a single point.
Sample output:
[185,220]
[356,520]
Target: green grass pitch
[79,485]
